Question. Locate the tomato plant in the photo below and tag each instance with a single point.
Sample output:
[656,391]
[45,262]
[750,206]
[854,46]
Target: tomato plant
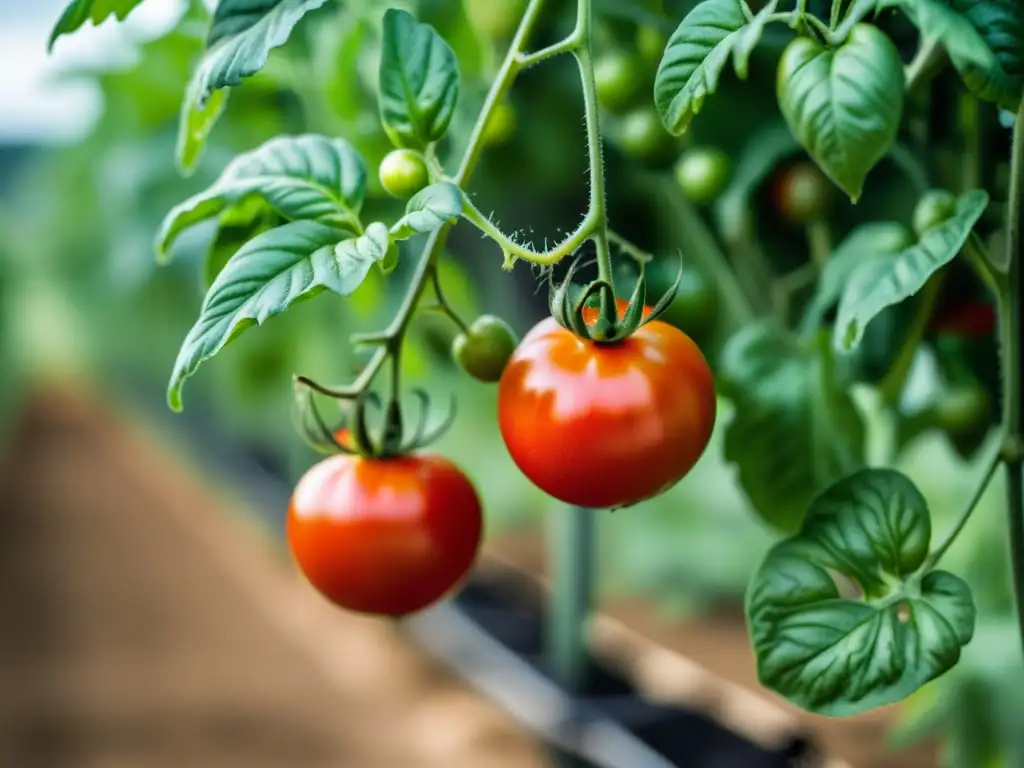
[388,536]
[867,170]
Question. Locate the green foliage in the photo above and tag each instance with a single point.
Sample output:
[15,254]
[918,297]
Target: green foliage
[78,12]
[1001,25]
[419,82]
[795,429]
[842,616]
[844,106]
[302,177]
[241,36]
[884,279]
[428,210]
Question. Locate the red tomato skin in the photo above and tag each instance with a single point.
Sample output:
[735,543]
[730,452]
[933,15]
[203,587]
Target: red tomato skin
[606,426]
[972,320]
[384,536]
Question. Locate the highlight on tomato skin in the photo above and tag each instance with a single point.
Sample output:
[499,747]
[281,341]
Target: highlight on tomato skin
[606,426]
[385,537]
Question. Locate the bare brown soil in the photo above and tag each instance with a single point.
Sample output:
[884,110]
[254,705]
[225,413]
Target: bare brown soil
[142,627]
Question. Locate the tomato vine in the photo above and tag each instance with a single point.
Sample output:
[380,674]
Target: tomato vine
[796,322]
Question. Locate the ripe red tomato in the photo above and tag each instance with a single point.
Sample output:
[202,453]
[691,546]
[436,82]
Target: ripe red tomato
[384,536]
[606,426]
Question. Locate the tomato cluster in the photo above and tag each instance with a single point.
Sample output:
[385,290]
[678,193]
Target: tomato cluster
[602,426]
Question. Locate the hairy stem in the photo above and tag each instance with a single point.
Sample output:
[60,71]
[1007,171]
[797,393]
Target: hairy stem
[1013,388]
[507,73]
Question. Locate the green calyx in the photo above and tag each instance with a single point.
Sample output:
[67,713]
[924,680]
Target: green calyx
[390,439]
[571,305]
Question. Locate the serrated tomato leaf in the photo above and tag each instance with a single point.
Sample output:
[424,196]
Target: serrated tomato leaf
[843,105]
[941,20]
[242,34]
[876,238]
[794,430]
[841,618]
[694,58]
[887,279]
[235,227]
[300,177]
[266,276]
[1000,23]
[419,81]
[78,12]
[428,209]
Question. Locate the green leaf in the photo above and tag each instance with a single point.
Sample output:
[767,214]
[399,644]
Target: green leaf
[842,621]
[78,12]
[241,37]
[843,105]
[877,238]
[694,58]
[429,209]
[1001,25]
[748,38]
[340,45]
[266,276]
[419,81]
[236,227]
[300,177]
[765,149]
[794,431]
[940,20]
[886,279]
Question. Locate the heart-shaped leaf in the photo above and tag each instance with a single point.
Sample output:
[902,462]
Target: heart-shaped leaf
[694,58]
[419,81]
[877,238]
[842,621]
[266,276]
[794,430]
[939,19]
[843,105]
[78,12]
[884,280]
[428,209]
[242,34]
[1001,25]
[300,177]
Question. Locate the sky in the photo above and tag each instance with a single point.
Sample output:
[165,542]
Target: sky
[35,109]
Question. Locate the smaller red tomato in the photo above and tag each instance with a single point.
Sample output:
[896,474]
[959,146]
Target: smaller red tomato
[802,193]
[384,536]
[971,319]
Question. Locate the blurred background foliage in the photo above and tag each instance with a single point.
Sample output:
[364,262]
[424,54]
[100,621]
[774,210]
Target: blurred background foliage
[81,294]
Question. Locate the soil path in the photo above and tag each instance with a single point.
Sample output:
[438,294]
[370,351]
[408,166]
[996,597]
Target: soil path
[142,627]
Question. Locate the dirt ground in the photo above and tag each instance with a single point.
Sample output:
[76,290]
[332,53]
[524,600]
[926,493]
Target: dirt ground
[142,627]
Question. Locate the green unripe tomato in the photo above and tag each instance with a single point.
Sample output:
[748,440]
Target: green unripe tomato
[962,409]
[695,307]
[703,173]
[650,44]
[403,173]
[642,136]
[619,79]
[935,207]
[496,19]
[802,193]
[484,350]
[501,125]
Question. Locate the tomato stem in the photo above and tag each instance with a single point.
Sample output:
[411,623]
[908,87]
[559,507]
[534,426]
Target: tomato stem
[1013,388]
